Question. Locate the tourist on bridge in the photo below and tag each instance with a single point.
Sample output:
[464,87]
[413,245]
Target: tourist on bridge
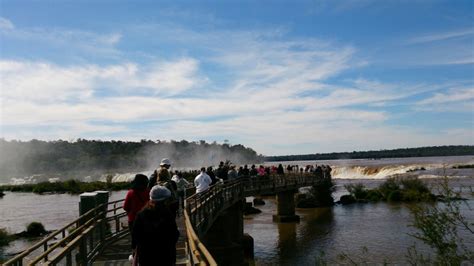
[261,171]
[232,174]
[240,172]
[280,170]
[162,177]
[136,198]
[155,232]
[253,171]
[162,173]
[211,174]
[202,181]
[246,171]
[221,171]
[181,184]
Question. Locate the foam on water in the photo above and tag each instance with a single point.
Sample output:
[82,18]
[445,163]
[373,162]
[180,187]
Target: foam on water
[378,172]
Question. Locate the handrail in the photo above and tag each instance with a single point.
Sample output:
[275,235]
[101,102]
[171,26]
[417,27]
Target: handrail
[204,208]
[196,248]
[75,229]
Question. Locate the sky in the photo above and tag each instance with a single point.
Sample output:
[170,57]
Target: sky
[281,77]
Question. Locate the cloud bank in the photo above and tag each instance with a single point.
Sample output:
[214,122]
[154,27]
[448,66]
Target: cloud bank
[277,95]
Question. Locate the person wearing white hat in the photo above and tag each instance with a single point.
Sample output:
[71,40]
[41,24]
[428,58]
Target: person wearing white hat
[161,174]
[155,232]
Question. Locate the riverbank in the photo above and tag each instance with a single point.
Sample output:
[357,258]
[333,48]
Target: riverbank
[69,186]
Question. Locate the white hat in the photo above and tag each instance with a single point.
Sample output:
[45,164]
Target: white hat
[165,161]
[159,193]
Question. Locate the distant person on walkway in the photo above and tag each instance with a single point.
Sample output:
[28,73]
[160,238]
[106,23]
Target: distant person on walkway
[202,181]
[232,174]
[261,171]
[181,185]
[155,232]
[161,173]
[253,171]
[136,198]
[211,174]
[280,170]
[246,171]
[240,172]
[221,171]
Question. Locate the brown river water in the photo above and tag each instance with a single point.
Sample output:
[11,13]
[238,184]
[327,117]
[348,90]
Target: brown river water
[372,232]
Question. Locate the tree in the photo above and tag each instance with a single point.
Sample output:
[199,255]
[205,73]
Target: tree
[438,226]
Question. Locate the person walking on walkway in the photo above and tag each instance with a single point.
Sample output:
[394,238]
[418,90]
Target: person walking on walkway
[181,185]
[136,198]
[155,233]
[202,181]
[161,173]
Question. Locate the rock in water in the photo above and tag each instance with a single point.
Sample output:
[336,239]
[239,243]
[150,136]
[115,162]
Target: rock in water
[347,199]
[258,201]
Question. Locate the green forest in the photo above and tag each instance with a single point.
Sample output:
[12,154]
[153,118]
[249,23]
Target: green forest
[396,153]
[20,158]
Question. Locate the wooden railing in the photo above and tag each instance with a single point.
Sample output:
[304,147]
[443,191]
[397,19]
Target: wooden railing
[204,208]
[78,242]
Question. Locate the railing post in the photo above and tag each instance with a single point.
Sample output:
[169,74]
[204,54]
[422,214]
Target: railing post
[69,259]
[45,247]
[87,202]
[82,255]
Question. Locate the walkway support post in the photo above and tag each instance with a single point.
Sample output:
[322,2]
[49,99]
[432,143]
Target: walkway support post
[225,238]
[286,207]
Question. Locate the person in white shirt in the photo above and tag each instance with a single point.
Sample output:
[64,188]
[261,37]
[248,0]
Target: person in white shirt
[202,181]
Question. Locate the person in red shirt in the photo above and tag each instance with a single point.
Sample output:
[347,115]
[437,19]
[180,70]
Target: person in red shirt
[137,197]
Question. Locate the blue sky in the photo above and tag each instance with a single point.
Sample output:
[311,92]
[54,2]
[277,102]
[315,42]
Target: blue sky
[282,77]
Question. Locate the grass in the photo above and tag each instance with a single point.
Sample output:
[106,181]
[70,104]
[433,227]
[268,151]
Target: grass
[5,238]
[393,189]
[70,186]
[463,166]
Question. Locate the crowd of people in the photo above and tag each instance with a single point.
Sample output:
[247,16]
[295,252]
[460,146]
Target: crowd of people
[152,204]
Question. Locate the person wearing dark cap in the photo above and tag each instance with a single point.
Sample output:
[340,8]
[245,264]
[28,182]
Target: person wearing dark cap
[136,198]
[155,232]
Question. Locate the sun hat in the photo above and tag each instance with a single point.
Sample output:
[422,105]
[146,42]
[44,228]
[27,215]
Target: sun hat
[159,193]
[165,161]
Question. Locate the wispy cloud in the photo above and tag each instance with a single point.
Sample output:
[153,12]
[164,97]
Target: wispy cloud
[6,24]
[441,36]
[460,99]
[68,39]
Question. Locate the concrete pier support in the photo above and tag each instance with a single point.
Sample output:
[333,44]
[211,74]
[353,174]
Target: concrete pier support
[286,207]
[226,236]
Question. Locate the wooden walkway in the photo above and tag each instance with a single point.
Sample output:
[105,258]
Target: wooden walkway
[117,253]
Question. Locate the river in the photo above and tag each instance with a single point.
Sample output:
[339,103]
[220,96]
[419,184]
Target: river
[371,232]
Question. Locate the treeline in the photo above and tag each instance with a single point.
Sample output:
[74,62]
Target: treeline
[396,153]
[20,158]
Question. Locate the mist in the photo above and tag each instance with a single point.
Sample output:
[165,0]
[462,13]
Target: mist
[90,160]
